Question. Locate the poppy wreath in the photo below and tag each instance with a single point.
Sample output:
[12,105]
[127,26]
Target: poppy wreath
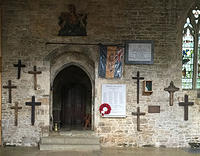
[103,111]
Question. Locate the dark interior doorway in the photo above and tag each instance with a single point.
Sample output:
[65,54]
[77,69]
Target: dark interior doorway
[72,94]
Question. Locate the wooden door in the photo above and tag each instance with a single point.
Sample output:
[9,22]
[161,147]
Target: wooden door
[73,106]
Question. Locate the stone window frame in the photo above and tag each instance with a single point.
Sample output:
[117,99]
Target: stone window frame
[196,35]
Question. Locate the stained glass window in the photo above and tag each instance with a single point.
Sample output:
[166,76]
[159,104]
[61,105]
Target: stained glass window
[198,67]
[187,60]
[191,51]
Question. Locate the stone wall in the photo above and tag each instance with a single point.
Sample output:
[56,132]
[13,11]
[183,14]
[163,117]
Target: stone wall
[29,25]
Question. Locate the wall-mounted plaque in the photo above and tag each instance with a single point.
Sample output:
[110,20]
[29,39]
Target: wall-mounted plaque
[139,52]
[153,109]
[115,96]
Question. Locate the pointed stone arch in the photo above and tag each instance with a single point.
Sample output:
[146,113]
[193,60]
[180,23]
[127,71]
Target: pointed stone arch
[62,59]
[190,29]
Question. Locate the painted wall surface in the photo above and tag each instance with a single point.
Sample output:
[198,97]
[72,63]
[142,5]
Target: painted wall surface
[28,27]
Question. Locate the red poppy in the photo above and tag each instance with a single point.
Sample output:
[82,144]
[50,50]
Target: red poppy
[105,105]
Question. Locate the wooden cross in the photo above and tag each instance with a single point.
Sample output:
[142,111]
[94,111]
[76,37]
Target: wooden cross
[19,66]
[138,84]
[33,104]
[171,89]
[10,87]
[138,113]
[16,108]
[185,104]
[35,72]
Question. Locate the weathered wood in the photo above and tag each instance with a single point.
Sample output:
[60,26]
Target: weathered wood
[0,64]
[10,87]
[35,72]
[19,66]
[16,108]
[33,104]
[153,109]
[138,78]
[138,113]
[0,76]
[185,104]
[171,89]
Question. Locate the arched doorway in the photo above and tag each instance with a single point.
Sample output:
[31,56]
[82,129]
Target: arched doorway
[72,96]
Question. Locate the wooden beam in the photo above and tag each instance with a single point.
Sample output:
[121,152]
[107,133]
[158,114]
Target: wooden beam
[0,76]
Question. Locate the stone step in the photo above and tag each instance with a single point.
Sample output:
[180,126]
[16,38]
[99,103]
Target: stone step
[70,140]
[69,147]
[74,133]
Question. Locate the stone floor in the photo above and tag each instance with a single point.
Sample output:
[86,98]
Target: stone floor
[22,151]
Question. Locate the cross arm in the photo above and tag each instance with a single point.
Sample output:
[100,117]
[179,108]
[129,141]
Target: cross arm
[134,113]
[29,103]
[34,72]
[142,113]
[37,103]
[13,107]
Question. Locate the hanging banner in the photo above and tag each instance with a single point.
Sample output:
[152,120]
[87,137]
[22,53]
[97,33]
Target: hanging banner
[110,62]
[114,95]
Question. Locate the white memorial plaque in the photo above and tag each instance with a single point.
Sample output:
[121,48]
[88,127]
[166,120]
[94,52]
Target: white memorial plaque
[139,52]
[115,96]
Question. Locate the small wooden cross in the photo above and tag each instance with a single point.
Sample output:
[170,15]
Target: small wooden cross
[19,66]
[33,104]
[138,113]
[35,72]
[138,84]
[171,89]
[185,104]
[10,87]
[16,108]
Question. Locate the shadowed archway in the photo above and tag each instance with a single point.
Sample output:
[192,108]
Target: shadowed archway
[72,96]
